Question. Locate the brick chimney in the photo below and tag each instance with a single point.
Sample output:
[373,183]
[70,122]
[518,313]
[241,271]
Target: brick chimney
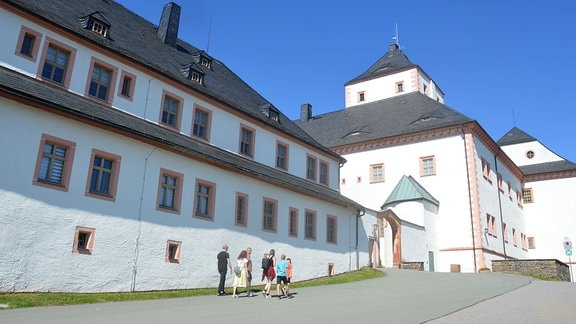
[305,112]
[169,22]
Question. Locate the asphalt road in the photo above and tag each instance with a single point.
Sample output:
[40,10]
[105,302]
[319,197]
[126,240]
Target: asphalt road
[403,296]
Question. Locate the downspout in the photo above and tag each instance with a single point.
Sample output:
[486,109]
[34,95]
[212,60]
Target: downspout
[359,213]
[500,207]
[469,197]
[137,244]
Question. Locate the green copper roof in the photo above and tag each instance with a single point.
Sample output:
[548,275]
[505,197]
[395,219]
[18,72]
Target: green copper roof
[409,189]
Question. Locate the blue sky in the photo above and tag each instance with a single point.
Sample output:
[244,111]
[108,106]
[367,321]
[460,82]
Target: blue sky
[502,63]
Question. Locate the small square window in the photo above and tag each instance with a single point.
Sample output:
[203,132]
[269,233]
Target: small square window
[173,251]
[399,87]
[127,85]
[28,44]
[83,240]
[361,96]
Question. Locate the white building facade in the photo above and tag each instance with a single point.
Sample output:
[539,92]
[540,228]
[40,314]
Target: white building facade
[462,206]
[135,156]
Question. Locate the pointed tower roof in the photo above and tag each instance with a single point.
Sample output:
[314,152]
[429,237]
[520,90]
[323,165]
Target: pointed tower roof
[515,136]
[393,61]
[408,189]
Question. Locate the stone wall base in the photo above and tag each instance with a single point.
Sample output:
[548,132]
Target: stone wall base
[544,268]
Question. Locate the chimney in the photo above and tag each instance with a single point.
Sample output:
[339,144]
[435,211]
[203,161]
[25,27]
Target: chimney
[168,27]
[305,112]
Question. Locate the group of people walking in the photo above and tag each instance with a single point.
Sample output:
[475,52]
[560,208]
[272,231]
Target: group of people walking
[281,270]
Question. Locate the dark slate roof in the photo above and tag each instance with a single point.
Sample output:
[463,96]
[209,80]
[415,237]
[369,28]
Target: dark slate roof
[515,136]
[392,62]
[394,116]
[408,189]
[135,38]
[57,100]
[548,167]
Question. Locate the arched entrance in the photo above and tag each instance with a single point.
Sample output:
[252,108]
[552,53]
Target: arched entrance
[391,238]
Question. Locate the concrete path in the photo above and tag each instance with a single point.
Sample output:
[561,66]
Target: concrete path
[403,296]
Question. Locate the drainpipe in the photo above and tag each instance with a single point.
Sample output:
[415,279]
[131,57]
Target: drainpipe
[500,206]
[469,197]
[359,213]
[137,244]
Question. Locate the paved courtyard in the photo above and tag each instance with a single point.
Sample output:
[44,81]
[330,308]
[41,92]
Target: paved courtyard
[403,296]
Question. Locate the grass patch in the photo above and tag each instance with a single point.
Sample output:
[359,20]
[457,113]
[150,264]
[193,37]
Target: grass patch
[19,300]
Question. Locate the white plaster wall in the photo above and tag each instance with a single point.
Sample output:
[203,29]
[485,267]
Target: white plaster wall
[542,154]
[147,101]
[381,88]
[552,217]
[37,224]
[410,211]
[501,205]
[414,244]
[449,186]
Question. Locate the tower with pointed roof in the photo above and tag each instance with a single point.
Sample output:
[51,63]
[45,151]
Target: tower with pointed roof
[392,75]
[438,189]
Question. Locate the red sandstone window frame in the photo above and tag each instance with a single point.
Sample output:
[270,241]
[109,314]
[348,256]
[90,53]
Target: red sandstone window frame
[83,240]
[173,251]
[177,195]
[70,147]
[331,229]
[59,46]
[36,39]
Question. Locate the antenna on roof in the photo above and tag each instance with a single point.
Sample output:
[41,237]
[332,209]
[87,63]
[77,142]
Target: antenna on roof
[209,30]
[396,37]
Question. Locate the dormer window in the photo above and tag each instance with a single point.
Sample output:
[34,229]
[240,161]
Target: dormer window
[97,23]
[98,27]
[270,111]
[196,75]
[274,115]
[205,61]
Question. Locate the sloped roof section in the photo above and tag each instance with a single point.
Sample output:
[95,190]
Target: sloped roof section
[405,114]
[515,136]
[57,100]
[408,189]
[393,61]
[548,167]
[136,39]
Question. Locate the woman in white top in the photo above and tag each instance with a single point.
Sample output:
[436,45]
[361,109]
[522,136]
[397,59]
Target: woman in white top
[241,279]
